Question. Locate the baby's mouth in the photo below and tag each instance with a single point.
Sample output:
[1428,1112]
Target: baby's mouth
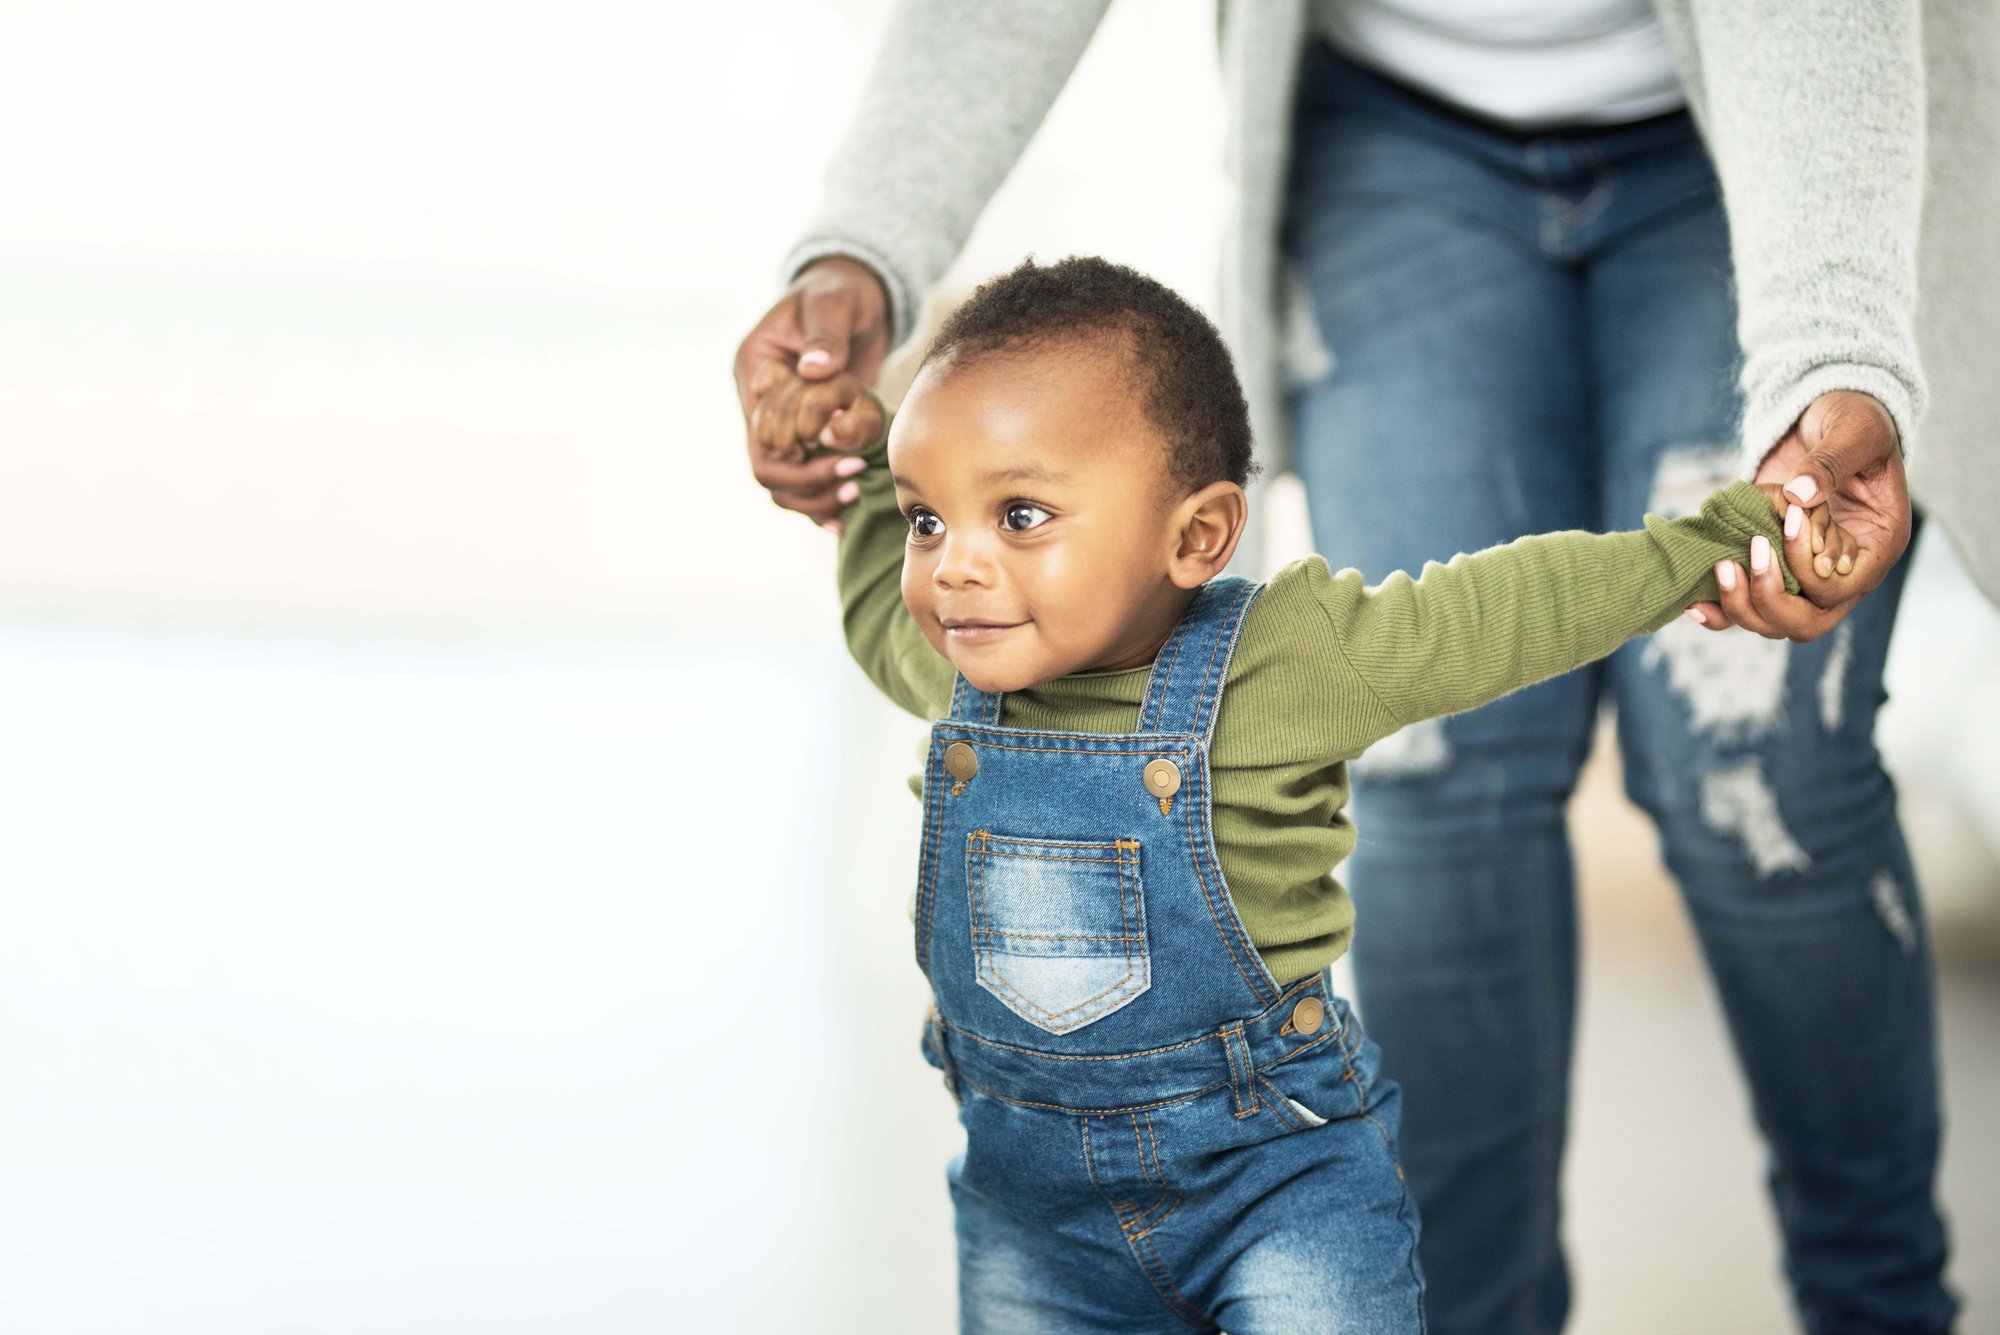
[975,632]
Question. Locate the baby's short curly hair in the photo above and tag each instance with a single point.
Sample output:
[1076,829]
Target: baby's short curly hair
[1174,358]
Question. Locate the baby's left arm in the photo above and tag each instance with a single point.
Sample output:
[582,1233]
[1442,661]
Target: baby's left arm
[1481,626]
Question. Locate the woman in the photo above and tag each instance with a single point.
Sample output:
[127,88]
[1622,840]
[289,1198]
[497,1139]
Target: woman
[1516,255]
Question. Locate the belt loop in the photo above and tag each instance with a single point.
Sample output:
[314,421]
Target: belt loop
[1241,1070]
[934,1034]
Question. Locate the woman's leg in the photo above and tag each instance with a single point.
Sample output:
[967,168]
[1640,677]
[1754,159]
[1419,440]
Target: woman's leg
[1454,415]
[1757,759]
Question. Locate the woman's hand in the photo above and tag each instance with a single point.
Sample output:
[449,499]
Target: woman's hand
[1843,445]
[833,318]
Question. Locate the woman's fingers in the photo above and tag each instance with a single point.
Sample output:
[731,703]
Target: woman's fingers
[811,487]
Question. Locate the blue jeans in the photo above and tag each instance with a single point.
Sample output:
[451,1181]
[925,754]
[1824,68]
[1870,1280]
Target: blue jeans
[1525,333]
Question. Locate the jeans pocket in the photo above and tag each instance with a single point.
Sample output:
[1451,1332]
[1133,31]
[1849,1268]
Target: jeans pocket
[1058,927]
[1320,1083]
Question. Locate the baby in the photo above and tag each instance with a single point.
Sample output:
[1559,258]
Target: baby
[1123,903]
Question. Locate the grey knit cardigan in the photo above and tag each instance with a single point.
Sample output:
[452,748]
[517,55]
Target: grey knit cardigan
[1857,141]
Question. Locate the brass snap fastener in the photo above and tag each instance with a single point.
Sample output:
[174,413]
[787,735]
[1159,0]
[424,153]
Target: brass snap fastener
[1308,1015]
[1163,780]
[961,762]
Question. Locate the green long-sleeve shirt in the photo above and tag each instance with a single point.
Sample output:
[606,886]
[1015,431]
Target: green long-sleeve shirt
[1324,666]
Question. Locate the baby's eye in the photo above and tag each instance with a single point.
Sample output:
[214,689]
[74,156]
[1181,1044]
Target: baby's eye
[1022,516]
[924,524]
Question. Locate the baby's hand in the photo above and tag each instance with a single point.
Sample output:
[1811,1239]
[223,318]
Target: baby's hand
[1836,556]
[792,415]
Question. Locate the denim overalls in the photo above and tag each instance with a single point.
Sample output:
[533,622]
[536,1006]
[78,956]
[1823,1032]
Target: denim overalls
[1158,1137]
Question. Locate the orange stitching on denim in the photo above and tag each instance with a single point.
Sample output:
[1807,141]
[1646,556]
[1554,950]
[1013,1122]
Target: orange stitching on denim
[1233,621]
[975,880]
[1276,1111]
[1054,857]
[1139,1149]
[1045,936]
[1248,1079]
[1306,1046]
[1388,1142]
[1117,737]
[1148,1230]
[988,971]
[1137,912]
[1077,1056]
[1256,988]
[1056,843]
[1278,1098]
[1138,1220]
[1158,1175]
[1088,1112]
[1118,1208]
[979,848]
[932,852]
[994,976]
[1229,1055]
[1204,704]
[1232,931]
[1090,1166]
[1198,1317]
[1143,1227]
[1159,702]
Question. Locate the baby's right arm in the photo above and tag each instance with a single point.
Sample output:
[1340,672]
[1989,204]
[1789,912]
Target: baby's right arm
[816,417]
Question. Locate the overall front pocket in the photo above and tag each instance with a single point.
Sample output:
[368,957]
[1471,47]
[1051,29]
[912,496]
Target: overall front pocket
[1058,926]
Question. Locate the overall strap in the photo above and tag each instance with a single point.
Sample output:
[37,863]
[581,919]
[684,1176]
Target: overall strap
[1186,683]
[969,704]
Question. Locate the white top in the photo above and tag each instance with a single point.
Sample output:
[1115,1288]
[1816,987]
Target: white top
[1528,64]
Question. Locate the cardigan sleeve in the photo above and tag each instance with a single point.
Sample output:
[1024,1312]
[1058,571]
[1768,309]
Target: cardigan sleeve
[1813,111]
[956,92]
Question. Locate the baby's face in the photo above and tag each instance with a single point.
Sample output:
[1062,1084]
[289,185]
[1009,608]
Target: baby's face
[1039,508]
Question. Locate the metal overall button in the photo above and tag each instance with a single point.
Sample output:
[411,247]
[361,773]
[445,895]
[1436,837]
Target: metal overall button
[1163,780]
[1307,1017]
[962,762]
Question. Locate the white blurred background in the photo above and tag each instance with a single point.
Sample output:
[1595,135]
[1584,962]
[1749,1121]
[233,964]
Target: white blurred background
[451,878]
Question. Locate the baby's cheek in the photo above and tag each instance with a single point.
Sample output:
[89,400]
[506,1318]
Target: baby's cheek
[917,596]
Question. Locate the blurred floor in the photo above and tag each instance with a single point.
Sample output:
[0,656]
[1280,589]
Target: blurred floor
[378,985]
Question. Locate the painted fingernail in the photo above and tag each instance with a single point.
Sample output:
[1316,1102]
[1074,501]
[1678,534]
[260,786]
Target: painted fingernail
[1694,615]
[832,526]
[1804,488]
[1725,574]
[849,466]
[1793,518]
[1845,565]
[1760,553]
[816,360]
[847,492]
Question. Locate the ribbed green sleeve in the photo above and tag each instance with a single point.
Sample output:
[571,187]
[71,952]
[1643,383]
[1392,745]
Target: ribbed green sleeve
[1482,626]
[881,635]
